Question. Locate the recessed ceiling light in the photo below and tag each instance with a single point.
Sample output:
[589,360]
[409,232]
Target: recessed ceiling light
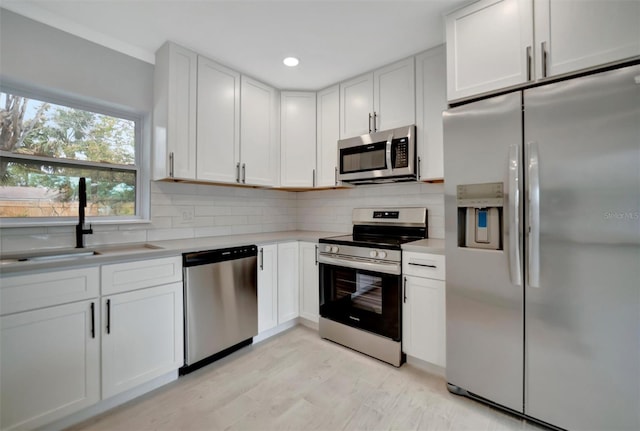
[291,61]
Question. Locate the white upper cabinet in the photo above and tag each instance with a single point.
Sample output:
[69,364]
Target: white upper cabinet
[297,139]
[383,99]
[489,46]
[328,133]
[431,100]
[259,134]
[218,129]
[356,106]
[174,113]
[575,34]
[394,95]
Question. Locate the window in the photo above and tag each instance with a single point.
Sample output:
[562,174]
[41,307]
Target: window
[46,147]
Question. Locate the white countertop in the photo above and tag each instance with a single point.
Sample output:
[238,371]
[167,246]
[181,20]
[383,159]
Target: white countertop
[427,245]
[125,252]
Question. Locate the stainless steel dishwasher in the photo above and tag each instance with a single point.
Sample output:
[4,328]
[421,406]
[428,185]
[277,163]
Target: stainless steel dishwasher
[221,303]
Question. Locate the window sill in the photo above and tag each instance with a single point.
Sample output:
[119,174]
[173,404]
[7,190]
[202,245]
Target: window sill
[19,223]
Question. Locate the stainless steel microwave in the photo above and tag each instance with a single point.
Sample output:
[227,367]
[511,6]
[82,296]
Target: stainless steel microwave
[381,157]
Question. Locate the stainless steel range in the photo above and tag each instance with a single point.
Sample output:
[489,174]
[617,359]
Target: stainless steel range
[361,281]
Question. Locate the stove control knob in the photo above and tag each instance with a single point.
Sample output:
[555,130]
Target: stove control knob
[327,249]
[334,249]
[373,253]
[382,254]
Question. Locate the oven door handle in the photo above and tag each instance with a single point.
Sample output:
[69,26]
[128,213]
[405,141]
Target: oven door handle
[348,262]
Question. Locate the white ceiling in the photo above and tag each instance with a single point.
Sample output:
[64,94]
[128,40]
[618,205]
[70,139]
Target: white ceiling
[334,40]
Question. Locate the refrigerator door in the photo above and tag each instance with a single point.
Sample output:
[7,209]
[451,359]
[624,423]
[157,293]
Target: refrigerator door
[582,359]
[484,287]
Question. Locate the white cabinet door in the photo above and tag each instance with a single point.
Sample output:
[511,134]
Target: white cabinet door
[174,113]
[267,287]
[356,106]
[488,44]
[328,133]
[288,287]
[297,139]
[50,364]
[142,336]
[431,100]
[423,320]
[578,34]
[394,95]
[218,122]
[309,288]
[259,142]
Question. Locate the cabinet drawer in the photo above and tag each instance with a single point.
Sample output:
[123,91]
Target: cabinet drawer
[423,265]
[122,277]
[28,292]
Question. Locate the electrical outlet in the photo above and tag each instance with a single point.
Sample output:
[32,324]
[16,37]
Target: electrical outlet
[187,214]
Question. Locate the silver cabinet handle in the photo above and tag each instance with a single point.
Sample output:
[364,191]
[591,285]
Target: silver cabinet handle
[316,254]
[238,172]
[171,164]
[262,259]
[313,178]
[515,267]
[543,50]
[418,168]
[375,122]
[370,122]
[529,63]
[244,173]
[336,175]
[534,214]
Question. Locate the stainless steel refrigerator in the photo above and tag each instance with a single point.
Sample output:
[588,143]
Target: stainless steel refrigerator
[542,199]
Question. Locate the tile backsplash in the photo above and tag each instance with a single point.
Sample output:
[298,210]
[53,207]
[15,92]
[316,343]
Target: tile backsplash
[188,211]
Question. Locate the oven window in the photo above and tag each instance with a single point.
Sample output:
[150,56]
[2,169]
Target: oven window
[365,291]
[363,299]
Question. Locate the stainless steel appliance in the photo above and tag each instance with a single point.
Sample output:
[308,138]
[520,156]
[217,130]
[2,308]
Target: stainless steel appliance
[547,323]
[381,157]
[221,303]
[361,281]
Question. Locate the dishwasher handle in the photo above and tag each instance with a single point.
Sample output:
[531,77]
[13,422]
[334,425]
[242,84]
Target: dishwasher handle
[220,255]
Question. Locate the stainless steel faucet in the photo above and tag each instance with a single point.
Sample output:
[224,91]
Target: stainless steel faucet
[82,197]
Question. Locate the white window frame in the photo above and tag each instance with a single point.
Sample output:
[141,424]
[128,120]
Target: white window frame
[142,137]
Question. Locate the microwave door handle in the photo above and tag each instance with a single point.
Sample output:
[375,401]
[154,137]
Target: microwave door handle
[389,148]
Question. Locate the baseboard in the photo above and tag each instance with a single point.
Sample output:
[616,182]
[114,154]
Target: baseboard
[427,366]
[110,403]
[274,331]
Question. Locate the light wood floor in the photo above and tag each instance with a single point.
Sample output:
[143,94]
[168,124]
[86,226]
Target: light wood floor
[297,381]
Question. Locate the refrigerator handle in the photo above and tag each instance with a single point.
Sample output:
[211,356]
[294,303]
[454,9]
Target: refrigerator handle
[515,267]
[533,197]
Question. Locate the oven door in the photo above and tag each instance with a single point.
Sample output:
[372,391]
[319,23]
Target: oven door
[362,298]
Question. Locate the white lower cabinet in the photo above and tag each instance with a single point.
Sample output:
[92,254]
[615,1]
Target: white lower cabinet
[142,336]
[50,365]
[267,287]
[288,281]
[309,289]
[424,308]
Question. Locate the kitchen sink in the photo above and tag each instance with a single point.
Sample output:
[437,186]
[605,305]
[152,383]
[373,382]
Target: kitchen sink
[74,253]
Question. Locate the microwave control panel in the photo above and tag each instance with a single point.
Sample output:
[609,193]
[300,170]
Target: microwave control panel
[400,153]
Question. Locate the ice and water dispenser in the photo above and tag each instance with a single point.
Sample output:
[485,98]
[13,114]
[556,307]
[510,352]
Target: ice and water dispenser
[480,212]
